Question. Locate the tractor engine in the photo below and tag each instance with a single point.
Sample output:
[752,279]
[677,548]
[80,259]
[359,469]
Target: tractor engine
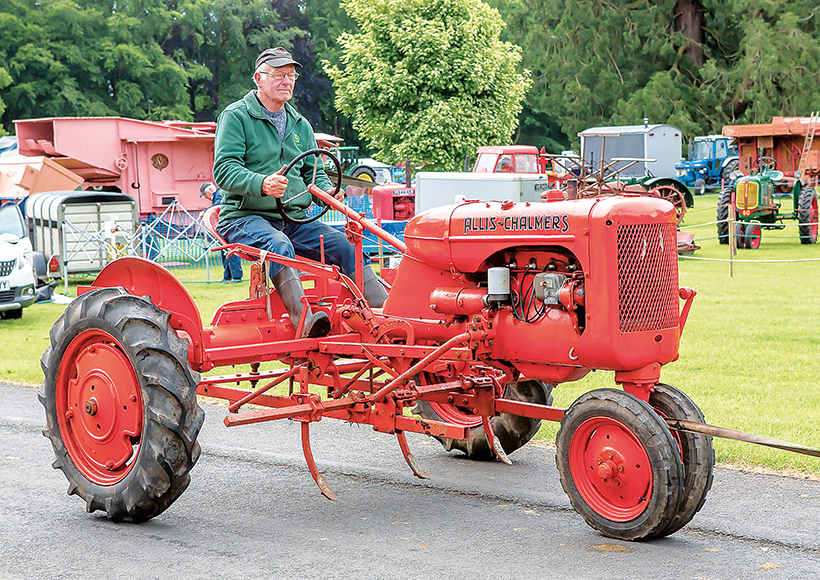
[566,286]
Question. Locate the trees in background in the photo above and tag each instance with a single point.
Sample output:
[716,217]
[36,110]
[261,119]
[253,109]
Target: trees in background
[428,80]
[698,64]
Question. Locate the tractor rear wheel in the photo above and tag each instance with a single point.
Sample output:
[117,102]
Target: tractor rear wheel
[696,452]
[807,215]
[364,173]
[724,199]
[120,402]
[619,465]
[727,171]
[513,431]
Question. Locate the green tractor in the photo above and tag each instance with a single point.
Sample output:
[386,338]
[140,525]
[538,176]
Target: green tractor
[757,200]
[352,165]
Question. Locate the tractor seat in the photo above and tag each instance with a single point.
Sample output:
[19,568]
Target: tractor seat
[210,219]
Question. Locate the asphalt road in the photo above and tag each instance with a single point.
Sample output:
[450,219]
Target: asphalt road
[252,511]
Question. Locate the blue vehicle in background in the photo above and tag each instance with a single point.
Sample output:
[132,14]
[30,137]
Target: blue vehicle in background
[712,159]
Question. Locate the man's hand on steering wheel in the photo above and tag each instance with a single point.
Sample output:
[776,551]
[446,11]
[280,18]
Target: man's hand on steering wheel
[275,184]
[335,190]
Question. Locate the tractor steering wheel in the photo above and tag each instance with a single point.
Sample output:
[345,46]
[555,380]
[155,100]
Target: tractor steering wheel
[280,201]
[766,163]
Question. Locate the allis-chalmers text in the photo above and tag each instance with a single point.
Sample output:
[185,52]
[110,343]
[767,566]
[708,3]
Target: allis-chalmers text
[552,223]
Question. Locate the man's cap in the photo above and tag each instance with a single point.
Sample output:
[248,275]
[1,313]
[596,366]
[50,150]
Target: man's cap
[276,57]
[203,187]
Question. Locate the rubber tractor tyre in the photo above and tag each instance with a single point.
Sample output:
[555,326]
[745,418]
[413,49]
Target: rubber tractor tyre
[807,215]
[120,402]
[696,451]
[513,431]
[722,215]
[364,173]
[726,173]
[619,465]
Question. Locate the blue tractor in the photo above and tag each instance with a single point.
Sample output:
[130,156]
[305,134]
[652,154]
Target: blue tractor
[712,159]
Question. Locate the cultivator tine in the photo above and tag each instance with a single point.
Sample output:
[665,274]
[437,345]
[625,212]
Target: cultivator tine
[409,458]
[495,444]
[311,463]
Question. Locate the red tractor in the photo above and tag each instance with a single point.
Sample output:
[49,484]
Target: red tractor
[493,305]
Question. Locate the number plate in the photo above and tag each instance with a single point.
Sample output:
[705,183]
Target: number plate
[4,284]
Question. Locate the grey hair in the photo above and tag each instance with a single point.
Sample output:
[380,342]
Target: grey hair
[259,69]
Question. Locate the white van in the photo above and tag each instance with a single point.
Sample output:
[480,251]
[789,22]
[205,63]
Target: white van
[18,275]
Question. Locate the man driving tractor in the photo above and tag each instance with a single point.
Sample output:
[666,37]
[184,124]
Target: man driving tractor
[256,138]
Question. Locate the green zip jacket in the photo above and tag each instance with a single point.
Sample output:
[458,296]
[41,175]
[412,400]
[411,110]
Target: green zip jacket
[247,149]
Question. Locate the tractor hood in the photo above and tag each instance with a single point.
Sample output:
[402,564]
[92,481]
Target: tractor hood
[462,237]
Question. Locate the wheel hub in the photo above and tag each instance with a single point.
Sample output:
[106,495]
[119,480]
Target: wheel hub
[99,407]
[610,468]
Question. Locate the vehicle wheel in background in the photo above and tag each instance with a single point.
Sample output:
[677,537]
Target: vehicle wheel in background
[726,174]
[722,215]
[12,314]
[807,215]
[752,235]
[513,431]
[364,173]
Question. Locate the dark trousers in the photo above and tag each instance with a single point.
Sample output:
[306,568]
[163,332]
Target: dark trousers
[290,240]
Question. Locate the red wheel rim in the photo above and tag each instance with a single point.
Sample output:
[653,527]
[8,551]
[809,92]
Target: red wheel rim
[674,196]
[610,469]
[450,412]
[753,237]
[99,407]
[456,415]
[813,219]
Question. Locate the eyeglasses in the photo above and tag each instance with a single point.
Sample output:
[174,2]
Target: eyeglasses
[279,77]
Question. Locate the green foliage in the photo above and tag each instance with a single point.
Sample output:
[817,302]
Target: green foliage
[137,58]
[601,63]
[428,80]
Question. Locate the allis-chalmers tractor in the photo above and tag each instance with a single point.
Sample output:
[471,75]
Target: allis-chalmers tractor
[493,304]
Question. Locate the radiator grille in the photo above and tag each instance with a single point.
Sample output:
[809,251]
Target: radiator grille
[647,277]
[746,196]
[6,296]
[7,267]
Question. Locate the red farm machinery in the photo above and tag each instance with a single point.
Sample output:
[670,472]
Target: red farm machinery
[492,305]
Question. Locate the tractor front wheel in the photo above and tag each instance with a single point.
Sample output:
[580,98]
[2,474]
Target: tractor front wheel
[807,215]
[513,431]
[120,402]
[752,235]
[619,465]
[696,452]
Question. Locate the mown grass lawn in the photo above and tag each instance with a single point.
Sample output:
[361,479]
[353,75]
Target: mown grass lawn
[750,353]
